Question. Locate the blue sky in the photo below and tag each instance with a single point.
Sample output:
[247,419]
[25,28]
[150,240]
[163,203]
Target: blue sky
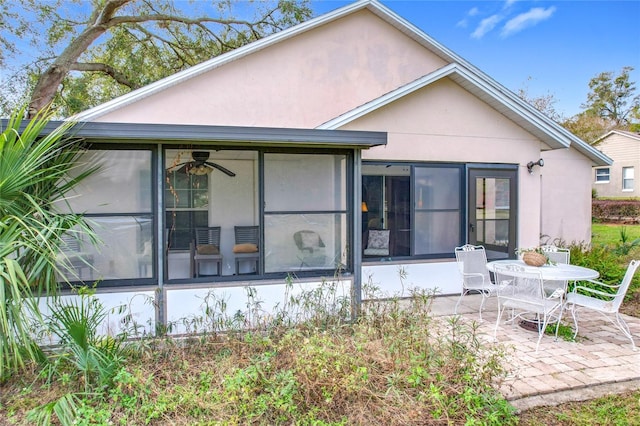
[546,47]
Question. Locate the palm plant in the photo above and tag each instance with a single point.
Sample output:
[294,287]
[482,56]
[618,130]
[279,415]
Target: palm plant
[34,181]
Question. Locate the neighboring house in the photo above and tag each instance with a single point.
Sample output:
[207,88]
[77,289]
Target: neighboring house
[351,142]
[619,179]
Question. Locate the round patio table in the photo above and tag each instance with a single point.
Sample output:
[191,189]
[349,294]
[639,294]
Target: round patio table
[557,272]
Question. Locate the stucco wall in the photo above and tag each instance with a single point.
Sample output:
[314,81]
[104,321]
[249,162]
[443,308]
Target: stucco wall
[444,122]
[301,82]
[316,76]
[566,203]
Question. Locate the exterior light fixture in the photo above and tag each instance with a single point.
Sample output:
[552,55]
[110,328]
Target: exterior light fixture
[530,165]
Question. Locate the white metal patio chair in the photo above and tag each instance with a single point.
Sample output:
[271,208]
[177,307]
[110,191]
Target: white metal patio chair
[522,291]
[472,264]
[603,298]
[556,255]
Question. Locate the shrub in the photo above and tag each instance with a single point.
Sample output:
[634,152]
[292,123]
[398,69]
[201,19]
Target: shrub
[616,210]
[395,365]
[34,178]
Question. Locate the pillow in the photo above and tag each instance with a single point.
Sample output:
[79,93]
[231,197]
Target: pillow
[245,248]
[310,240]
[207,249]
[378,239]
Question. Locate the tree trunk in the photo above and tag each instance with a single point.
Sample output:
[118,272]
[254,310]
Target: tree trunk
[48,83]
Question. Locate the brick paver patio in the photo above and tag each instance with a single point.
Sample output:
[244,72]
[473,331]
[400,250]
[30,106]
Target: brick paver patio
[601,361]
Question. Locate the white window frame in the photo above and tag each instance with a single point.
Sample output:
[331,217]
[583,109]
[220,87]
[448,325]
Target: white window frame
[628,176]
[607,174]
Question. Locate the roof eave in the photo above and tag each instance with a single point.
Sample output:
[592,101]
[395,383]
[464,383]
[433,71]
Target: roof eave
[504,101]
[105,132]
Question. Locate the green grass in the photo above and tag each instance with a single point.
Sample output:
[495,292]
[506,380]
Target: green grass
[611,234]
[609,410]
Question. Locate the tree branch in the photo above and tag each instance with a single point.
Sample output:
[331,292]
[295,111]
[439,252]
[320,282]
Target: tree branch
[106,69]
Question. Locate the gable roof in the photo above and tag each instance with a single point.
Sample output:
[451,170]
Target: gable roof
[463,72]
[624,133]
[196,70]
[495,95]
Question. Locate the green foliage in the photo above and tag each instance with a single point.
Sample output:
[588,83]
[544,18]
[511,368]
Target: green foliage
[95,358]
[396,364]
[104,49]
[612,97]
[34,180]
[600,258]
[587,126]
[625,246]
[82,356]
[565,332]
[621,409]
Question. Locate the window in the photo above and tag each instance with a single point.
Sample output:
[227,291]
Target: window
[602,175]
[187,201]
[118,201]
[419,205]
[627,178]
[438,210]
[305,212]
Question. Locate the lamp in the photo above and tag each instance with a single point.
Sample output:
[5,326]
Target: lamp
[530,165]
[199,170]
[365,209]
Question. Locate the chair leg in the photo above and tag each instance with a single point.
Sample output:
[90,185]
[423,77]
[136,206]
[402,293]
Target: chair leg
[622,325]
[455,310]
[484,299]
[495,330]
[574,314]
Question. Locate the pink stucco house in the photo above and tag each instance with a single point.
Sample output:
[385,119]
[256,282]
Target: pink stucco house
[352,142]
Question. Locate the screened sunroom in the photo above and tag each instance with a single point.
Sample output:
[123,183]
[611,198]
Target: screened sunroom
[205,204]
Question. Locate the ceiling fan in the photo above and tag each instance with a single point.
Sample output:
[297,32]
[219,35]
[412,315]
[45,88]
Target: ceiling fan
[199,165]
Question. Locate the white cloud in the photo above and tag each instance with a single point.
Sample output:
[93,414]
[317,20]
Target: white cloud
[486,25]
[463,23]
[527,19]
[509,3]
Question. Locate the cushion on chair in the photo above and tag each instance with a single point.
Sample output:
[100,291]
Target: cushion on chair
[378,239]
[378,244]
[207,249]
[245,248]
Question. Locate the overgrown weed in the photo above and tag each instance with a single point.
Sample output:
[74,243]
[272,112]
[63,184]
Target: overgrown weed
[309,362]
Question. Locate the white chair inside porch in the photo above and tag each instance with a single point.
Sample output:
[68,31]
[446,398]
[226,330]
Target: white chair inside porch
[522,292]
[472,265]
[603,298]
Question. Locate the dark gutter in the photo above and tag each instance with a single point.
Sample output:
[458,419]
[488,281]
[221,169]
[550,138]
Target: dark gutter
[181,133]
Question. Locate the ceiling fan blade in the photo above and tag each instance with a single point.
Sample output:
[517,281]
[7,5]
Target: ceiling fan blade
[219,167]
[180,168]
